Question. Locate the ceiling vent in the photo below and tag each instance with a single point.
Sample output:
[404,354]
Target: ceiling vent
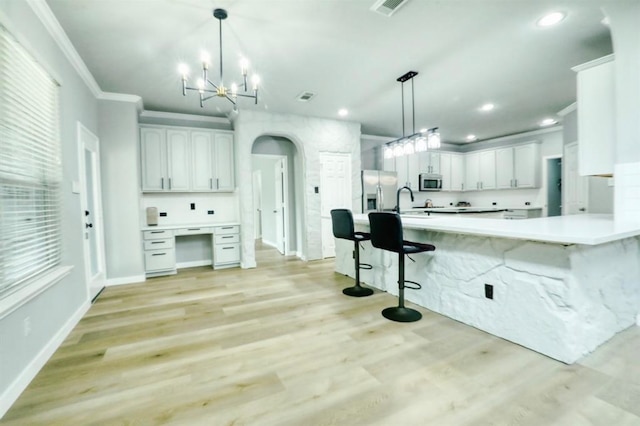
[305,96]
[387,7]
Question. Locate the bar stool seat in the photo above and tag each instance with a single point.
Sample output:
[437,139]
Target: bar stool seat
[343,228]
[386,234]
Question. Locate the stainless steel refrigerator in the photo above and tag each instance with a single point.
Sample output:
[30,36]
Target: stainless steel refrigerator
[378,190]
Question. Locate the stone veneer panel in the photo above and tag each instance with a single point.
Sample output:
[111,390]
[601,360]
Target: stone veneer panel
[311,136]
[562,301]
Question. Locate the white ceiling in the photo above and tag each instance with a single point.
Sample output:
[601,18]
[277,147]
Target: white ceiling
[467,53]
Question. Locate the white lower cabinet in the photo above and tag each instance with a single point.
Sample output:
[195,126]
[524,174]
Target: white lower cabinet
[159,252]
[226,248]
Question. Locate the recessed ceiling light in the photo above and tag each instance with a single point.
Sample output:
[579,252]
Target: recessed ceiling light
[471,138]
[548,122]
[550,19]
[487,107]
[343,112]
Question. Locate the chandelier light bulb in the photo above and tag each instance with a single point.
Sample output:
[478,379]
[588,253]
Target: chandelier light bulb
[421,143]
[183,69]
[433,139]
[409,147]
[234,89]
[244,66]
[205,58]
[398,150]
[388,152]
[255,80]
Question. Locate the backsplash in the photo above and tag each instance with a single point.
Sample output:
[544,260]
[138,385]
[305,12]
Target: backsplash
[178,208]
[507,198]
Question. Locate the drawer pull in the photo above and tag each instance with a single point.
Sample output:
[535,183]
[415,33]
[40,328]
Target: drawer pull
[157,242]
[193,229]
[227,248]
[158,254]
[229,236]
[157,232]
[227,227]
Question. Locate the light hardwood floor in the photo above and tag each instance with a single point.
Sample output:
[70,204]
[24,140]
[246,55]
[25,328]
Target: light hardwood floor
[281,345]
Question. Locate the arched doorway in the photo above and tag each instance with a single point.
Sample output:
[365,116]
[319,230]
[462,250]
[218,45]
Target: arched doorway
[277,193]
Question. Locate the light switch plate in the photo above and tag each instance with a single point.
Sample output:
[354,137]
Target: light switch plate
[75,187]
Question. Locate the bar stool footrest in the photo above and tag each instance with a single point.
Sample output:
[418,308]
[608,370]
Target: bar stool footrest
[365,266]
[401,314]
[414,285]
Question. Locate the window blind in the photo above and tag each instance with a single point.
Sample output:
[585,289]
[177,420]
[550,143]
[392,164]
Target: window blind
[30,169]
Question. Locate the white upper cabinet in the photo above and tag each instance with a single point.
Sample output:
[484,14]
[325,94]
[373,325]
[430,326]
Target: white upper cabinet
[153,150]
[457,172]
[518,167]
[186,160]
[480,170]
[429,162]
[178,160]
[596,116]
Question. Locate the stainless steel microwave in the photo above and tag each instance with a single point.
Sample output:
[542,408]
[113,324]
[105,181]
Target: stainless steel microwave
[430,182]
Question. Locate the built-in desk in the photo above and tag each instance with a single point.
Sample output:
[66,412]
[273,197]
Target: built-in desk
[170,247]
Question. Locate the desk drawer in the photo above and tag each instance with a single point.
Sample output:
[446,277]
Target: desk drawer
[223,230]
[159,260]
[158,244]
[194,231]
[226,253]
[157,235]
[227,238]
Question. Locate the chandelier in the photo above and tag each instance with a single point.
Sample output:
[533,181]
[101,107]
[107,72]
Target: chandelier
[417,141]
[208,89]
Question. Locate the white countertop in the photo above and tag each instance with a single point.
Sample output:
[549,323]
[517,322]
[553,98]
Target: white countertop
[588,229]
[188,225]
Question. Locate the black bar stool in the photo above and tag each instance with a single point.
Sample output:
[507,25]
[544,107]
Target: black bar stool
[386,234]
[343,228]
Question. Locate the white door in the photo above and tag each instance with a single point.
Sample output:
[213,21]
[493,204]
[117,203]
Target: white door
[335,192]
[576,187]
[279,209]
[90,199]
[257,204]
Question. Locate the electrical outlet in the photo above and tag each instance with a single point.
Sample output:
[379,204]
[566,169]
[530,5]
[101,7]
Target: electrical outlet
[210,212]
[488,291]
[163,214]
[527,203]
[27,326]
[494,204]
[193,206]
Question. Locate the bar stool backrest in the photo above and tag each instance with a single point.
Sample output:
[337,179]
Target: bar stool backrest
[386,231]
[342,220]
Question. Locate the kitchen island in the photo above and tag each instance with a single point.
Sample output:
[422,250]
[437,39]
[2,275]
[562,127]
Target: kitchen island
[561,286]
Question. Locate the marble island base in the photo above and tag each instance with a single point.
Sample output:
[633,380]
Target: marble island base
[560,300]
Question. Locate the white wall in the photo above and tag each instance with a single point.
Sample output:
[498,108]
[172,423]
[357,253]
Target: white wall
[178,208]
[118,127]
[310,136]
[54,312]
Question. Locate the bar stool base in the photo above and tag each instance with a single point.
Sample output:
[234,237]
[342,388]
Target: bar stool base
[357,291]
[401,314]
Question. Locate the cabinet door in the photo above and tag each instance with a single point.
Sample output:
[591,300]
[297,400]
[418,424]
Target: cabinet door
[413,170]
[527,166]
[445,171]
[179,160]
[223,175]
[504,168]
[153,155]
[434,162]
[457,172]
[202,157]
[596,119]
[402,170]
[472,172]
[487,169]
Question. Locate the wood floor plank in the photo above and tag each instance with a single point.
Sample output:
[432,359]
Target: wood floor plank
[281,345]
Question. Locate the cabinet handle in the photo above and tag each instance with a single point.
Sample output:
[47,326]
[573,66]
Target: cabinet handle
[157,242]
[158,254]
[193,229]
[169,183]
[516,182]
[161,183]
[227,227]
[157,232]
[217,183]
[227,248]
[210,183]
[228,236]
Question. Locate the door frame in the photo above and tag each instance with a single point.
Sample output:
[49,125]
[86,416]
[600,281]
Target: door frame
[545,186]
[87,140]
[326,236]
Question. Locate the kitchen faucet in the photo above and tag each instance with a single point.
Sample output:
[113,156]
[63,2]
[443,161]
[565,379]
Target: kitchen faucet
[397,208]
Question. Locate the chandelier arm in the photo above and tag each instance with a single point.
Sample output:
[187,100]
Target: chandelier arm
[202,90]
[212,83]
[246,96]
[209,97]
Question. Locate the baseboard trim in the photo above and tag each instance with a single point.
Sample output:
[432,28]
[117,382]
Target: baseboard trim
[15,389]
[125,280]
[269,243]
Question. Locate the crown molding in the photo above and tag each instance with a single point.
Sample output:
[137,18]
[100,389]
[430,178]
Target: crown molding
[594,63]
[184,117]
[50,22]
[563,112]
[122,97]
